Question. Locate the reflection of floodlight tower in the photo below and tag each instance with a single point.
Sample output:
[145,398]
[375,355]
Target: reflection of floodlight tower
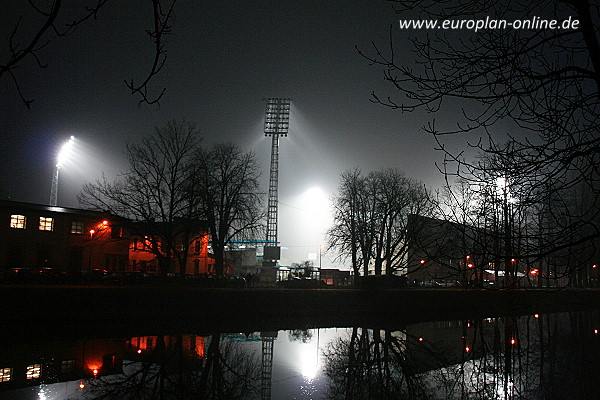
[267,363]
[62,156]
[277,119]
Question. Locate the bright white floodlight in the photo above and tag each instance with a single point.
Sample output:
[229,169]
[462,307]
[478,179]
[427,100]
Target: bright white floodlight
[63,155]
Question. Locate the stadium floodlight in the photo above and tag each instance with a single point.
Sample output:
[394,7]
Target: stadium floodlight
[63,155]
[277,121]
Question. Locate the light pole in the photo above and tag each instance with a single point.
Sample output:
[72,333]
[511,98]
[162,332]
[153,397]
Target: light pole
[64,152]
[320,249]
[92,231]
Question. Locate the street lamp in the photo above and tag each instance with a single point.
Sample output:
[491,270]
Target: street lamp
[63,154]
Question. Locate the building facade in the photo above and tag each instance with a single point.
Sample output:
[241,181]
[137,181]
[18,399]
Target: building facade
[73,240]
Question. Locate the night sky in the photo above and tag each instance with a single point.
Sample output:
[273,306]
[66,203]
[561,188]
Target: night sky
[223,59]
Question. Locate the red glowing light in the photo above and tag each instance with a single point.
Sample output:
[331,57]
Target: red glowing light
[513,341]
[467,349]
[105,222]
[92,231]
[596,331]
[470,265]
[422,261]
[420,339]
[468,257]
[81,385]
[512,260]
[139,351]
[536,315]
[594,266]
[534,271]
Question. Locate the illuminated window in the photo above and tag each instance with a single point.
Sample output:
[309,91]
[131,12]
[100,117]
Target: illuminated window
[17,221]
[67,366]
[46,224]
[77,227]
[5,374]
[34,371]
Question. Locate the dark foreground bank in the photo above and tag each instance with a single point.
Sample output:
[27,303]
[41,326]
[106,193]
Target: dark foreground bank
[74,311]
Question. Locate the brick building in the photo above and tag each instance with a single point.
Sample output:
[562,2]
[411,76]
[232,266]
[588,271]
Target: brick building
[75,240]
[39,236]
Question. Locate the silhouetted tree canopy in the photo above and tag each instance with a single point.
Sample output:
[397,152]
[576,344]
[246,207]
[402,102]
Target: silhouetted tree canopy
[526,100]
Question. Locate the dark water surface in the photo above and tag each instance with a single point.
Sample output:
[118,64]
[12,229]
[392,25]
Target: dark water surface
[545,356]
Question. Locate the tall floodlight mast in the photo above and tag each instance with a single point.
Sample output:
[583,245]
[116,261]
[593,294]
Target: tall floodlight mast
[63,154]
[277,121]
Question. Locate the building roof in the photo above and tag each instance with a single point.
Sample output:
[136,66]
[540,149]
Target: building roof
[10,204]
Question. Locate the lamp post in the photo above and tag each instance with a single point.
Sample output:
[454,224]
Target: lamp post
[63,154]
[92,231]
[320,251]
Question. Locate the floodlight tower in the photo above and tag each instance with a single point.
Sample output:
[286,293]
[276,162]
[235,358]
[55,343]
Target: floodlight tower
[277,120]
[64,152]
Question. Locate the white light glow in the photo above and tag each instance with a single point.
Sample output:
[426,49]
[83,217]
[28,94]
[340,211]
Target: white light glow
[315,203]
[65,151]
[308,362]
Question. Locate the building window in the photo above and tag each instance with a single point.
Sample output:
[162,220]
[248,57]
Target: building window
[5,374]
[77,227]
[67,366]
[17,221]
[46,224]
[197,246]
[34,371]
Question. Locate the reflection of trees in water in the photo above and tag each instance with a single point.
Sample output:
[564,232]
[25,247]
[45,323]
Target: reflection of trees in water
[225,371]
[370,364]
[552,356]
[300,335]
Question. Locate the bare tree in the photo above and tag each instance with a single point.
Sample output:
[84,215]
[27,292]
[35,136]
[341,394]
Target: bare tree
[542,84]
[156,193]
[371,219]
[226,181]
[54,21]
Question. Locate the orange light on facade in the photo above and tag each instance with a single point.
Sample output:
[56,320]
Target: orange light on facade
[422,261]
[81,385]
[536,316]
[467,349]
[95,372]
[534,271]
[92,231]
[420,339]
[470,265]
[104,223]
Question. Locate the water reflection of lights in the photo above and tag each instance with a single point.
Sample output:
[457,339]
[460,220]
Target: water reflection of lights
[308,362]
